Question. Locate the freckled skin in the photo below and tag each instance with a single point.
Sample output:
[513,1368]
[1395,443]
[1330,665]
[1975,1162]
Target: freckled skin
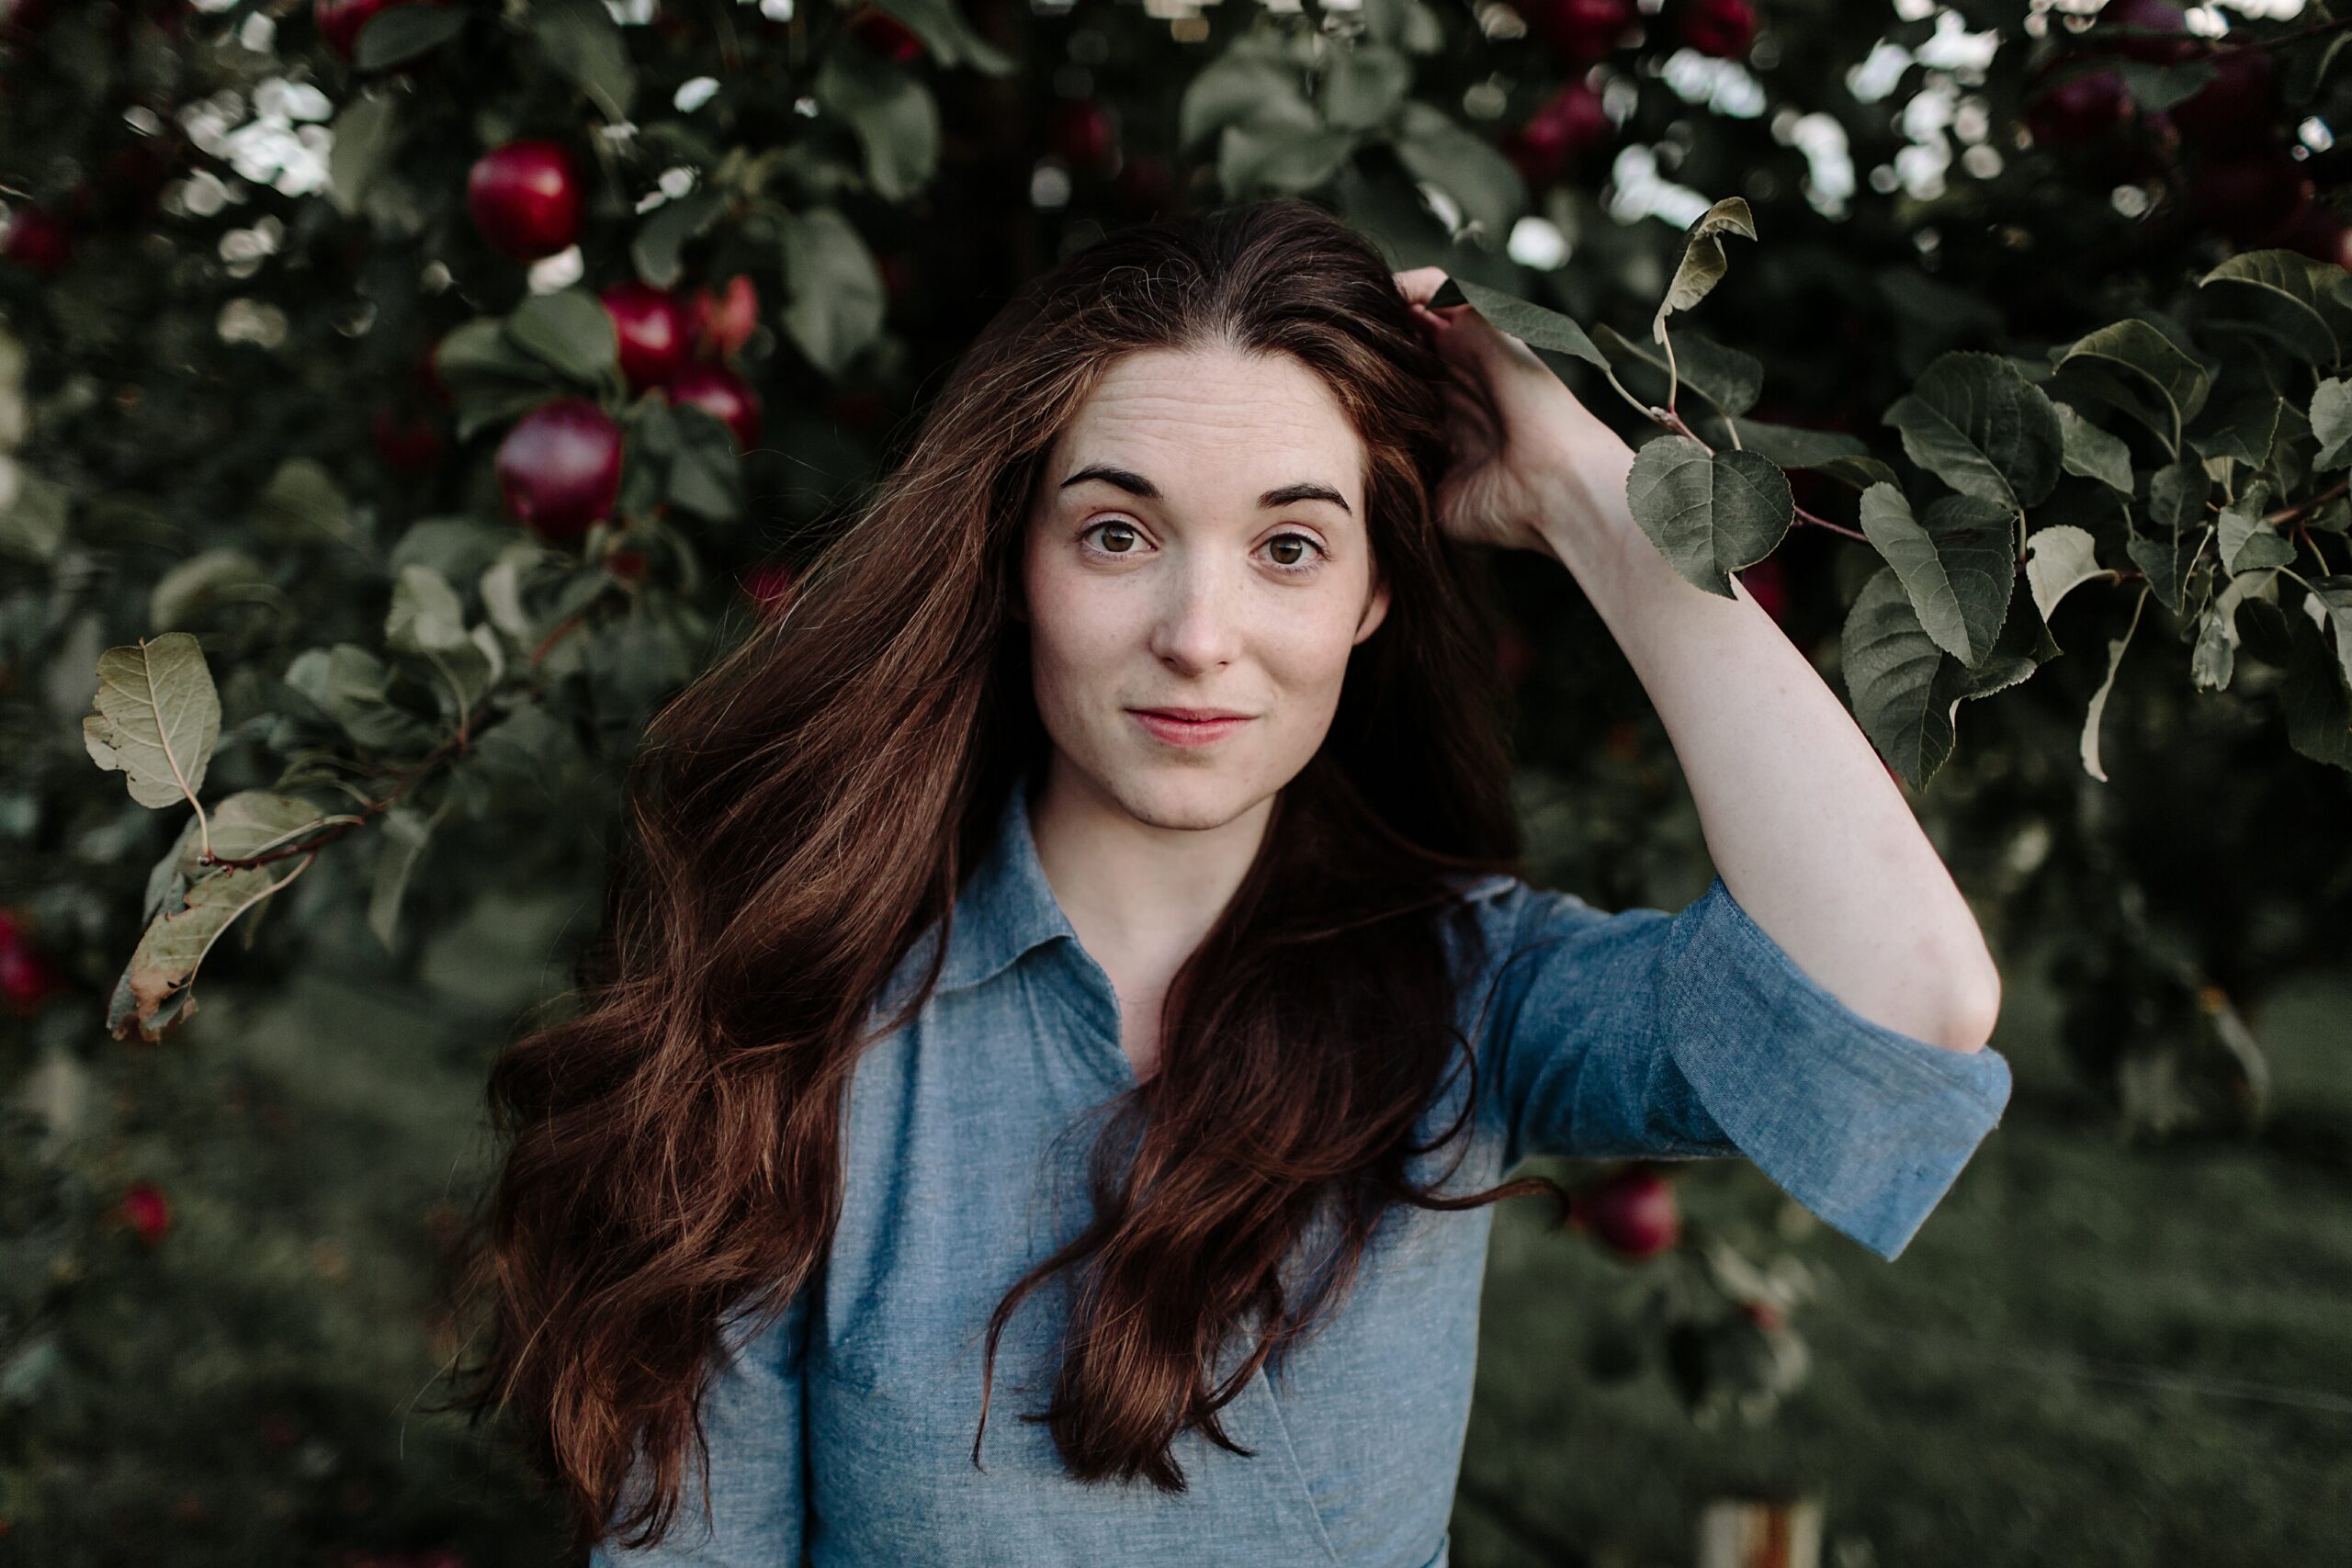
[1187,603]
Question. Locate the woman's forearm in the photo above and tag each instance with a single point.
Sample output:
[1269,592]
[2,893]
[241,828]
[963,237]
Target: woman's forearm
[1808,830]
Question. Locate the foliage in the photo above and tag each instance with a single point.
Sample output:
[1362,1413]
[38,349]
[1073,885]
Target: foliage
[397,399]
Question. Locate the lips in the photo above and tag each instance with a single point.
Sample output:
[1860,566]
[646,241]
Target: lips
[1172,727]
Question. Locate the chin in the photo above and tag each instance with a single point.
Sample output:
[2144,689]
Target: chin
[1181,794]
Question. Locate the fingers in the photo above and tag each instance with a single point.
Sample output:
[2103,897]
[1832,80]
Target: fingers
[1419,283]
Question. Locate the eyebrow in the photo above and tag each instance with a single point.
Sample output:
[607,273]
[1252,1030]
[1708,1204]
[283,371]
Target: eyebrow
[1136,484]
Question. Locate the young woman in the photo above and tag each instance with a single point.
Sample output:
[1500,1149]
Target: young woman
[1073,957]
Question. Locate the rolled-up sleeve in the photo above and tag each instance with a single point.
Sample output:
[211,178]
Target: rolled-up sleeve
[753,1422]
[1691,1035]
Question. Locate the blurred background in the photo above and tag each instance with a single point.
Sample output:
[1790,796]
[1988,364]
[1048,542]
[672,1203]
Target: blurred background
[399,397]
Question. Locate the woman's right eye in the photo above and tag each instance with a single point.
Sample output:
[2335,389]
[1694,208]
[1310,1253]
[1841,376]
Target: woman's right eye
[1110,528]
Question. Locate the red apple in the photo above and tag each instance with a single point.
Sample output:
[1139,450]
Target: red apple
[653,328]
[2250,195]
[1570,121]
[885,34]
[1721,28]
[2239,108]
[339,21]
[28,978]
[1580,31]
[769,586]
[722,392]
[526,198]
[629,564]
[723,322]
[408,444]
[559,468]
[2078,109]
[147,1210]
[1080,135]
[1633,1211]
[2160,15]
[37,240]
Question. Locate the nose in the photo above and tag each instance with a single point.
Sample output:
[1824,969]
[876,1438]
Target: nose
[1197,627]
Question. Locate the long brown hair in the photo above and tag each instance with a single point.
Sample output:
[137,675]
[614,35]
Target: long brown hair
[802,813]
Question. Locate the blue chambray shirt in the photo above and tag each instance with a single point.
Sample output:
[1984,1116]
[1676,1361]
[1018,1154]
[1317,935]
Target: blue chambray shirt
[846,1428]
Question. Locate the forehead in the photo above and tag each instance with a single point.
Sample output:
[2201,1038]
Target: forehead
[1212,425]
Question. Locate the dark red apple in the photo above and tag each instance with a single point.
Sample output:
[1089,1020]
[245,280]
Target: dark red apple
[2159,15]
[147,1210]
[1569,122]
[722,392]
[37,240]
[559,468]
[885,33]
[28,978]
[2250,195]
[526,198]
[653,328]
[724,321]
[408,444]
[1081,134]
[2080,109]
[769,586]
[1721,28]
[1633,1212]
[339,21]
[2239,108]
[1580,31]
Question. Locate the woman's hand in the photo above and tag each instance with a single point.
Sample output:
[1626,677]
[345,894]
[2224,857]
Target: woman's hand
[1553,459]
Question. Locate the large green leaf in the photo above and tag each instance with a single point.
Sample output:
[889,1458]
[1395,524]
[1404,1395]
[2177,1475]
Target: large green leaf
[571,332]
[1483,184]
[1703,264]
[364,138]
[893,114]
[837,301]
[1709,514]
[1958,562]
[662,237]
[948,36]
[399,34]
[2309,323]
[158,719]
[581,39]
[1364,85]
[1533,324]
[1975,423]
[2135,366]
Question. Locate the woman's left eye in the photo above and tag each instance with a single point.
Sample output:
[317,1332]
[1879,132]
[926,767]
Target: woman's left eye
[1300,562]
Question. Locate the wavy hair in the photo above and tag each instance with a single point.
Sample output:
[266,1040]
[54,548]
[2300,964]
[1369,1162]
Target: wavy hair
[806,809]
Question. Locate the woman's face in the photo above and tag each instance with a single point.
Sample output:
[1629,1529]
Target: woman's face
[1197,540]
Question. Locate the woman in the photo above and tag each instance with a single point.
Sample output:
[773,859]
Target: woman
[1072,955]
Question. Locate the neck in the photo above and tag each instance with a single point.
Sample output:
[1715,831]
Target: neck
[1142,875]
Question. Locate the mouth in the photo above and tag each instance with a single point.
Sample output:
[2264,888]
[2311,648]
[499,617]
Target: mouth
[1189,726]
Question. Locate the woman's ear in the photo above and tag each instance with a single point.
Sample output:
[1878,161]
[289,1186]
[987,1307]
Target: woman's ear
[1376,608]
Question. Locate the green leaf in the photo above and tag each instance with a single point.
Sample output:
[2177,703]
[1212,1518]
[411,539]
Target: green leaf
[158,719]
[582,42]
[1239,87]
[2135,366]
[353,687]
[302,504]
[32,522]
[1975,423]
[399,33]
[948,36]
[427,615]
[2058,559]
[1890,667]
[2330,419]
[836,306]
[2094,453]
[892,112]
[406,829]
[2334,595]
[1958,562]
[2165,559]
[184,593]
[2246,432]
[1709,514]
[1533,324]
[571,332]
[363,136]
[1365,86]
[2246,542]
[2115,647]
[2177,496]
[164,965]
[1703,264]
[2316,696]
[2156,87]
[2301,288]
[1483,183]
[662,238]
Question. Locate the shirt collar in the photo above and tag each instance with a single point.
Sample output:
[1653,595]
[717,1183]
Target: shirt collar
[1007,907]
